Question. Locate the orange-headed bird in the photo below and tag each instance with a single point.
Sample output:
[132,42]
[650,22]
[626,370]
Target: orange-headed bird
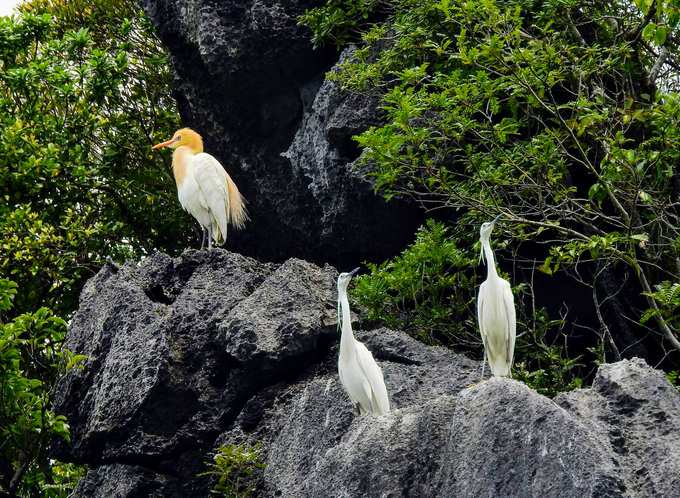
[204,187]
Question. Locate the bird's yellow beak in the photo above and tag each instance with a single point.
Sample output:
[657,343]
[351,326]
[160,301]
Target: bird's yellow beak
[164,144]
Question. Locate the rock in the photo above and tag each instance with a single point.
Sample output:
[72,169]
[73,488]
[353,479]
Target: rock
[506,440]
[637,411]
[249,82]
[496,439]
[119,480]
[215,349]
[163,386]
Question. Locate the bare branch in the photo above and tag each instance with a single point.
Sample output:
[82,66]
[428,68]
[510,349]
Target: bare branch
[656,68]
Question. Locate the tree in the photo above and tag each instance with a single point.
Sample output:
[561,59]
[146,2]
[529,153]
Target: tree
[561,115]
[84,93]
[31,361]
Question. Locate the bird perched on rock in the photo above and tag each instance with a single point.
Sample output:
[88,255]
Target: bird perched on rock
[495,311]
[204,187]
[359,373]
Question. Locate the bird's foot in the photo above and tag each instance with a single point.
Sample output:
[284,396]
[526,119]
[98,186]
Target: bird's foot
[476,383]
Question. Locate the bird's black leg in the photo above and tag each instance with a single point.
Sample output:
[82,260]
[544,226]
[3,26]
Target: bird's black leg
[210,237]
[358,409]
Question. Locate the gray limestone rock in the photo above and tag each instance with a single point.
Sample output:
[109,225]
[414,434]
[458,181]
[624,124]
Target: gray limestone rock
[214,349]
[637,411]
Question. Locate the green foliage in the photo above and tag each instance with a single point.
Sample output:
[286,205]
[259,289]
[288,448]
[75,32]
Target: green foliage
[546,111]
[667,297]
[84,93]
[429,288]
[553,373]
[340,20]
[673,378]
[58,480]
[31,361]
[233,465]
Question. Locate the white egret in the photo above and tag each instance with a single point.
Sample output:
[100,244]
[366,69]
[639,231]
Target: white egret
[359,373]
[204,187]
[495,311]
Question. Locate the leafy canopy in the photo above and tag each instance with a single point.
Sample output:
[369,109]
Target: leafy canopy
[31,361]
[84,93]
[560,114]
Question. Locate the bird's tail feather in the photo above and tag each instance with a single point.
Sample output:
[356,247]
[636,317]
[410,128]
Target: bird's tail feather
[238,214]
[218,235]
[499,366]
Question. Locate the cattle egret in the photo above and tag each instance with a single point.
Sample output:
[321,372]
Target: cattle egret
[359,373]
[495,312]
[204,188]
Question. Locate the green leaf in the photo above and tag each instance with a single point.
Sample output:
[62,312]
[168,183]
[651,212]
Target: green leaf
[660,35]
[640,237]
[648,31]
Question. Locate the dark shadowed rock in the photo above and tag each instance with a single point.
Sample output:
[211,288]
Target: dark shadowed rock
[213,348]
[248,80]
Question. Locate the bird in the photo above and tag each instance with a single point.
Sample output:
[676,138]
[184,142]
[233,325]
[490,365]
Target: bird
[359,373]
[495,311]
[204,187]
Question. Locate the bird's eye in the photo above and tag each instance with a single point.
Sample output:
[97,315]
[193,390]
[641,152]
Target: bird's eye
[178,137]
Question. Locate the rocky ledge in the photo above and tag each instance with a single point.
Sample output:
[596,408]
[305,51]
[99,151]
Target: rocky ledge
[213,348]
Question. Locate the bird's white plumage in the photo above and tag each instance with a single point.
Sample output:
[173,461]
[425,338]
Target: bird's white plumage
[497,324]
[496,313]
[212,180]
[204,193]
[359,373]
[204,188]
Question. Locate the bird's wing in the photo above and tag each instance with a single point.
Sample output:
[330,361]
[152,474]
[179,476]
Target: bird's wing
[509,301]
[345,384]
[375,379]
[212,180]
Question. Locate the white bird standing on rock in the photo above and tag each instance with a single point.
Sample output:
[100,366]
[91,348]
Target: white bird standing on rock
[359,373]
[204,187]
[495,312]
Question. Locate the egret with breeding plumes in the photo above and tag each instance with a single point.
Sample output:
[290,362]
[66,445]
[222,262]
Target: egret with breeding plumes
[495,311]
[204,187]
[359,373]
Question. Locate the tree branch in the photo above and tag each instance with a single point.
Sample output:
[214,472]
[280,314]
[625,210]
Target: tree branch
[656,68]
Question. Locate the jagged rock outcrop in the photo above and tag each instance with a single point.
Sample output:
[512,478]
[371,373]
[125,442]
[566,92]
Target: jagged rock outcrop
[213,348]
[248,81]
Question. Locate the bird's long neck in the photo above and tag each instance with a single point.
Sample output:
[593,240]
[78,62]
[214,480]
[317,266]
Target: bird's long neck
[347,338]
[490,262]
[181,158]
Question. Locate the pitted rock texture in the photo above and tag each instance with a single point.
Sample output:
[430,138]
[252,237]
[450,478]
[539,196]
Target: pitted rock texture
[215,349]
[637,410]
[248,81]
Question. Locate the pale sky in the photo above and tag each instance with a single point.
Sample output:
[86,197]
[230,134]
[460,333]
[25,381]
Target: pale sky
[7,6]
